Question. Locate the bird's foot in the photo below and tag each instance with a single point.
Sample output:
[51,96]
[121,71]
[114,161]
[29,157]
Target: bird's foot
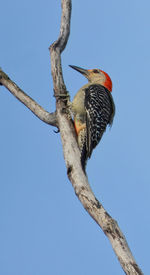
[66,99]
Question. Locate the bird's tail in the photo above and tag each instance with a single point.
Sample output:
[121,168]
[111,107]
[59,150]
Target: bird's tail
[84,158]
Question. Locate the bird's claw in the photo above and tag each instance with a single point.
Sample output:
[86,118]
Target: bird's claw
[65,97]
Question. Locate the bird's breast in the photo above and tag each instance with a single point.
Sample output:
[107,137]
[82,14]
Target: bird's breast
[78,103]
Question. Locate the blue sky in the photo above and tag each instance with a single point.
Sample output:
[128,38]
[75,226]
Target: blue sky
[43,227]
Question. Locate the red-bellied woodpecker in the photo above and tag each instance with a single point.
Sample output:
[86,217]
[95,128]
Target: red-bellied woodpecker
[93,108]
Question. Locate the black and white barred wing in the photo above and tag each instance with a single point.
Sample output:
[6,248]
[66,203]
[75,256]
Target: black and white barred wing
[99,112]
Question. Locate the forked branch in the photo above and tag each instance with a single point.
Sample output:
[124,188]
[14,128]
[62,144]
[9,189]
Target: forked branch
[72,156]
[70,148]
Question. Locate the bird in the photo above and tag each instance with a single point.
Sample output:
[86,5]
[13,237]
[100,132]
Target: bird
[93,109]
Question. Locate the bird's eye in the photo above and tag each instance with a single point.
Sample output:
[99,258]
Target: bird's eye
[95,71]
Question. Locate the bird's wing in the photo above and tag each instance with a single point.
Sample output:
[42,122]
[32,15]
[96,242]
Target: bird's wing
[99,112]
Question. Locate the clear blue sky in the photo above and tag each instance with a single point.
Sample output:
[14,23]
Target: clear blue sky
[43,227]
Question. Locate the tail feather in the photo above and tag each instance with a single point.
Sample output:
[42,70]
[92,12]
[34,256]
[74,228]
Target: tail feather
[83,148]
[84,157]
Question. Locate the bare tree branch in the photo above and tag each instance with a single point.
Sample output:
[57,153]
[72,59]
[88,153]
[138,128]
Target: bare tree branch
[72,156]
[49,118]
[70,147]
[58,46]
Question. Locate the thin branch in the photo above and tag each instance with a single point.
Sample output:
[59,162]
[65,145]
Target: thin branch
[72,156]
[49,118]
[58,46]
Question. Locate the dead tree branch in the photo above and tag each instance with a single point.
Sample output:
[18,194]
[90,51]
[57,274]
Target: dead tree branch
[70,148]
[49,118]
[72,156]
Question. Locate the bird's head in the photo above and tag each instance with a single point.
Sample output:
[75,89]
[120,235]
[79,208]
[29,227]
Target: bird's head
[96,76]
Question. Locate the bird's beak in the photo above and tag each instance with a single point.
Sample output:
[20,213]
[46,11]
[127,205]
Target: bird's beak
[80,70]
